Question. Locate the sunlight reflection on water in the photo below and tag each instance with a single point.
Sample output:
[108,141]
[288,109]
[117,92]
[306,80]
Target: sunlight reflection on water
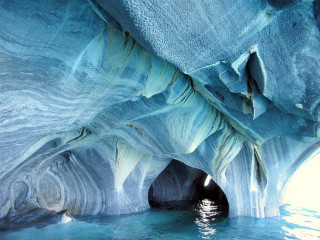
[301,223]
[207,211]
[202,221]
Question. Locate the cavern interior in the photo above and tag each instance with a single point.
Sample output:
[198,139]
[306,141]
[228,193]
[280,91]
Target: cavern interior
[108,107]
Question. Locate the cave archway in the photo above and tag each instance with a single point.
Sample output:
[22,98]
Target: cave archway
[301,188]
[179,183]
[299,168]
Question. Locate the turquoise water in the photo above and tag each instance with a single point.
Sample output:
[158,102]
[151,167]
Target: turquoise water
[202,221]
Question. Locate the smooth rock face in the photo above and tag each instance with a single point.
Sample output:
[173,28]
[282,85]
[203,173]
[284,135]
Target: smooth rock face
[91,116]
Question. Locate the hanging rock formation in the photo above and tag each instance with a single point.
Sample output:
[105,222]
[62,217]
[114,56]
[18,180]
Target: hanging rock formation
[96,99]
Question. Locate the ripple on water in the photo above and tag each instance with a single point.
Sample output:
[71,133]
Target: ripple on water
[199,221]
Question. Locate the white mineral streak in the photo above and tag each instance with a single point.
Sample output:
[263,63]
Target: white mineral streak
[126,159]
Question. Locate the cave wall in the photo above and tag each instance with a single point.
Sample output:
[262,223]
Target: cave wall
[102,177]
[257,176]
[98,97]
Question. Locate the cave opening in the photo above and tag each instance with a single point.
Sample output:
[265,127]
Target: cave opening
[181,187]
[301,189]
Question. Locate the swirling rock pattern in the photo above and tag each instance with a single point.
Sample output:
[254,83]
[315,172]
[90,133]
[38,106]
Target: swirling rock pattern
[90,115]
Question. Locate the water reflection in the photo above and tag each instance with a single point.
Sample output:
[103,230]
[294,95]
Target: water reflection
[202,221]
[301,223]
[208,213]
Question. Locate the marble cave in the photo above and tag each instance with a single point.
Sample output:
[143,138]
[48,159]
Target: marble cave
[107,106]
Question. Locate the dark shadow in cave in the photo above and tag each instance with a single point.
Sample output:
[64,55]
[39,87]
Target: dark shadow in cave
[180,187]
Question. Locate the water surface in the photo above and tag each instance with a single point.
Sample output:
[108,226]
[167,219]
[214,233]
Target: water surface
[201,221]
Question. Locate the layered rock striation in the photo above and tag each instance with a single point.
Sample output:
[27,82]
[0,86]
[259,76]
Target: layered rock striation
[98,97]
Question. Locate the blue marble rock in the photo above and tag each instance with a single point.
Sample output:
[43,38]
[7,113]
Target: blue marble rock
[97,97]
